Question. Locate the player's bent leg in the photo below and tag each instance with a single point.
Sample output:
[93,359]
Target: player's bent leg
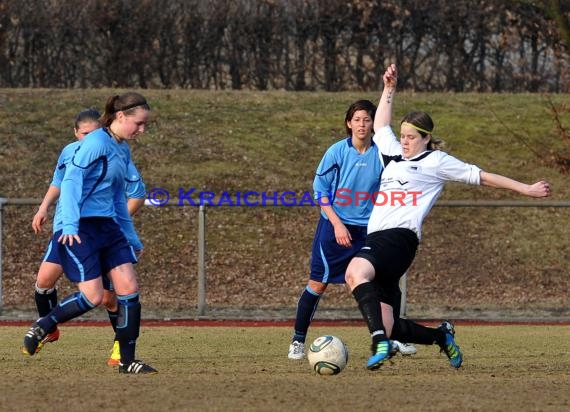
[69,308]
[45,296]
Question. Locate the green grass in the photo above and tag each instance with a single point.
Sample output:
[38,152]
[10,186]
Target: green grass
[257,139]
[506,368]
[273,141]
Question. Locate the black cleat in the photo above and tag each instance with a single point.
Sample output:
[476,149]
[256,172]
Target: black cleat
[32,339]
[136,366]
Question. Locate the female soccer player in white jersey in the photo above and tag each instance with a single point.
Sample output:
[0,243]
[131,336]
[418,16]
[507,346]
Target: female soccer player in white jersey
[90,241]
[413,178]
[50,269]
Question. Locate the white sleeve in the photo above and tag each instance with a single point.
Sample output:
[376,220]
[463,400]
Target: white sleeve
[387,142]
[451,168]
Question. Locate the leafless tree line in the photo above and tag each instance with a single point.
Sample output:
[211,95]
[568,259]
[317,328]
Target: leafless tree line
[439,45]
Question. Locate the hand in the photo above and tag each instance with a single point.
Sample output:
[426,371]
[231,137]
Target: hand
[68,239]
[390,76]
[539,189]
[39,219]
[342,235]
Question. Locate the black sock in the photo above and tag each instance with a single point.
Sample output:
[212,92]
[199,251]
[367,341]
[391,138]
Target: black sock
[46,300]
[366,295]
[411,332]
[306,308]
[128,325]
[113,316]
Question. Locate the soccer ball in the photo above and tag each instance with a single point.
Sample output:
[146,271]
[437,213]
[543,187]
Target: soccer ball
[328,355]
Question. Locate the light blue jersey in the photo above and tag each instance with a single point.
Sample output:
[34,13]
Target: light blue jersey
[134,189]
[134,185]
[349,179]
[93,184]
[64,158]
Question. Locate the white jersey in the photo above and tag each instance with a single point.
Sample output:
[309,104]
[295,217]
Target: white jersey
[410,187]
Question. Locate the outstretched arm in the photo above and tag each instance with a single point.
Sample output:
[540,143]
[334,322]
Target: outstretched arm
[538,189]
[384,112]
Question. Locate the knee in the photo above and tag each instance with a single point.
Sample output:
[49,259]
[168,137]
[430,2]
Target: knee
[358,271]
[109,300]
[317,287]
[94,299]
[352,278]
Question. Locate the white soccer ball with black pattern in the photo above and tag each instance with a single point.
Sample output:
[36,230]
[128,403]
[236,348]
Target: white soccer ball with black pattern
[328,355]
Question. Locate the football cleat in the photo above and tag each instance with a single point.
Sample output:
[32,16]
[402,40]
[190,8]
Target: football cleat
[296,350]
[137,367]
[406,349]
[115,358]
[33,338]
[450,348]
[51,337]
[380,352]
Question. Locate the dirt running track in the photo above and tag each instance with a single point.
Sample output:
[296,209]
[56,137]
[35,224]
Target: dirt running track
[288,323]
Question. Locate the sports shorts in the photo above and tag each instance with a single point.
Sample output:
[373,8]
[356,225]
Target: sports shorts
[103,247]
[329,260]
[391,252]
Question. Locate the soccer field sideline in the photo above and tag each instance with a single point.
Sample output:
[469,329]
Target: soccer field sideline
[290,322]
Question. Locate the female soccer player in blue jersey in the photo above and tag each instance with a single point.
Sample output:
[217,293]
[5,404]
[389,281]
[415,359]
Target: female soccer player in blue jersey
[411,165]
[50,269]
[90,241]
[346,177]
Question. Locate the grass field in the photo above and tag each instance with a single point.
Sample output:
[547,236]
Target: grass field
[272,141]
[506,368]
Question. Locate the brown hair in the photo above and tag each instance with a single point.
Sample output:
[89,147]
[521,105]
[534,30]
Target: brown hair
[86,115]
[356,106]
[126,102]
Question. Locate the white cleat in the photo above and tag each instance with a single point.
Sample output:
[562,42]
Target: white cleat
[296,350]
[406,349]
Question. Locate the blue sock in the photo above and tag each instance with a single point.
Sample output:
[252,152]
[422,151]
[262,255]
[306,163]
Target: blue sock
[69,308]
[306,308]
[128,325]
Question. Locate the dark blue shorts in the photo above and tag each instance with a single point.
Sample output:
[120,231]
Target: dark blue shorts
[329,260]
[103,247]
[51,254]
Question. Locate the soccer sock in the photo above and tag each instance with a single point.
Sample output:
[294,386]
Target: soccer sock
[128,325]
[411,332]
[366,295]
[306,308]
[113,316]
[46,299]
[71,307]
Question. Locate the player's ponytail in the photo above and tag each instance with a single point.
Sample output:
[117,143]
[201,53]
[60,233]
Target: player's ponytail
[126,102]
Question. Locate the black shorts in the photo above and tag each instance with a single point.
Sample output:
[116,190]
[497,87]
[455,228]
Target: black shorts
[391,252]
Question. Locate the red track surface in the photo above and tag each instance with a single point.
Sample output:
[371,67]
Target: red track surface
[289,323]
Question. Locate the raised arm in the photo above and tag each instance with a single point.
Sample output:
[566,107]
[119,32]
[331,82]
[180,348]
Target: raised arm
[384,112]
[538,189]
